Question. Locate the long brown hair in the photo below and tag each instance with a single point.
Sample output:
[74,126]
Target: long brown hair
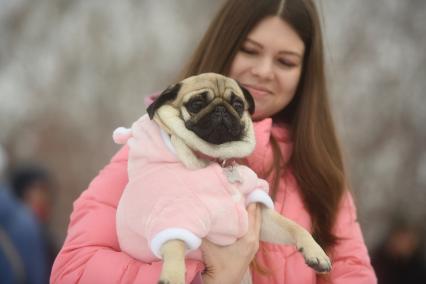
[316,160]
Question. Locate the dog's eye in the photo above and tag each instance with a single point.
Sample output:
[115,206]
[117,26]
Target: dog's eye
[238,105]
[195,106]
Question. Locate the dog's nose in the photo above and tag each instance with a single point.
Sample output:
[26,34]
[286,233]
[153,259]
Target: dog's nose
[220,114]
[220,109]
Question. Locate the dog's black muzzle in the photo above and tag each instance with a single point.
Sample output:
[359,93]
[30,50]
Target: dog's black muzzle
[217,127]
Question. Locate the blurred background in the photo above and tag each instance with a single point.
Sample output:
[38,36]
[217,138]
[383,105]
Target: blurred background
[73,71]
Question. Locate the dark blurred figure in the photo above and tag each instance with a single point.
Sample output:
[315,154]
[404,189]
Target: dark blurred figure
[400,260]
[33,185]
[22,248]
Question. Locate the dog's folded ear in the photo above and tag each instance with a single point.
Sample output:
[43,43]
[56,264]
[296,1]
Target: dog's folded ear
[248,97]
[167,95]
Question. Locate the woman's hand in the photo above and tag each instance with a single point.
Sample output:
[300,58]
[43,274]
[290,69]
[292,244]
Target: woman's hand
[228,264]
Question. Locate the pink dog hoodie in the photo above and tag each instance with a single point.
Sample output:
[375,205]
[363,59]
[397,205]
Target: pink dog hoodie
[164,200]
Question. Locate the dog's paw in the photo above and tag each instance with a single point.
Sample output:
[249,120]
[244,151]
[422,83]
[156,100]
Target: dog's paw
[316,258]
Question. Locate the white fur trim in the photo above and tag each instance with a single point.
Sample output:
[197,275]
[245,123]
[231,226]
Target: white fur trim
[261,197]
[192,241]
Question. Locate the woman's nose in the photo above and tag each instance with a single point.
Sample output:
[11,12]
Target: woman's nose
[263,68]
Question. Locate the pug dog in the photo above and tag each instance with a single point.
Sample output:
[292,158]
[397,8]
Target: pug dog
[184,183]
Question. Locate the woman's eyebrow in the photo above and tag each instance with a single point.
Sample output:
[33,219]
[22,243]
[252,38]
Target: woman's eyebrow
[253,42]
[286,52]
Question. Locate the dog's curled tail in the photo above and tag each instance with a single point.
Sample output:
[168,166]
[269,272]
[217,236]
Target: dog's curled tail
[121,135]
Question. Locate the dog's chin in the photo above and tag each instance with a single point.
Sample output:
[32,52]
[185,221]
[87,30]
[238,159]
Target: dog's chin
[217,131]
[221,134]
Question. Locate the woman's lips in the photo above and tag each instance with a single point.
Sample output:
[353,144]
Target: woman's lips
[256,91]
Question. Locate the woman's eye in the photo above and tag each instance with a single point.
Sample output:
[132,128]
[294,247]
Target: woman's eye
[286,63]
[248,50]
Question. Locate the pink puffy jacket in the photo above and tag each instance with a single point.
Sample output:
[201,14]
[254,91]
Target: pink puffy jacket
[91,253]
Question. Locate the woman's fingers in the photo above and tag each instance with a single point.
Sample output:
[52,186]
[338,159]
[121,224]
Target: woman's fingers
[251,211]
[251,239]
[254,219]
[231,262]
[258,219]
[205,244]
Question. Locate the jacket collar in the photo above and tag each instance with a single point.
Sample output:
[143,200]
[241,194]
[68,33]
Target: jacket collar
[262,157]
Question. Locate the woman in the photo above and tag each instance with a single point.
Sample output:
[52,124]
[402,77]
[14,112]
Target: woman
[274,48]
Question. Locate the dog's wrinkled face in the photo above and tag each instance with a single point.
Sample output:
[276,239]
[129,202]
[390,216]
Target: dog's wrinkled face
[212,106]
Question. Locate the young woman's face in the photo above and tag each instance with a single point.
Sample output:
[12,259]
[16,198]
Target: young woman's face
[269,65]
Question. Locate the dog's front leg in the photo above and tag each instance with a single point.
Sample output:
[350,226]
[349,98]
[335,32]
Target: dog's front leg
[173,271]
[277,229]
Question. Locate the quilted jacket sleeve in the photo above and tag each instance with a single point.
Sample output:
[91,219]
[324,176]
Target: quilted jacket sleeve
[91,253]
[351,262]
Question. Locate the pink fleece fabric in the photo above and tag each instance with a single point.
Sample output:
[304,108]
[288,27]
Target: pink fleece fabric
[91,253]
[164,200]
